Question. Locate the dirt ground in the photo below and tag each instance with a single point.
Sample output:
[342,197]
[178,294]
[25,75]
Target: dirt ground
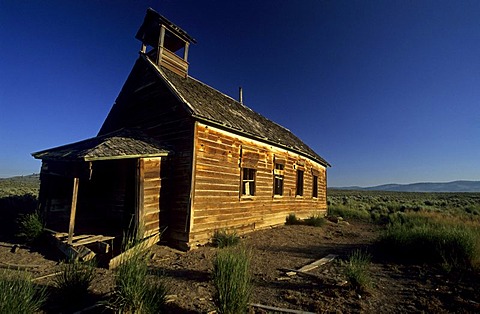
[395,288]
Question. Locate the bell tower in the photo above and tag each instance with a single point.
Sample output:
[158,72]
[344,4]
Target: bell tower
[164,43]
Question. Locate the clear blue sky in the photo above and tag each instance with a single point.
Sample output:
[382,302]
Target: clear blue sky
[386,91]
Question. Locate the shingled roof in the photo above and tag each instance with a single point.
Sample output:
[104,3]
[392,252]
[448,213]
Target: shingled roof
[121,144]
[210,105]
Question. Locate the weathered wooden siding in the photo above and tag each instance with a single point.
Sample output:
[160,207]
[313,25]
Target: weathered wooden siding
[150,183]
[146,102]
[218,203]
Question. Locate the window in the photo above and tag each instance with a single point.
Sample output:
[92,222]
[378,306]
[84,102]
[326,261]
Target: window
[278,179]
[299,182]
[248,182]
[315,186]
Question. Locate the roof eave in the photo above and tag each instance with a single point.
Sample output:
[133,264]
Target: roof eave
[87,159]
[165,154]
[260,139]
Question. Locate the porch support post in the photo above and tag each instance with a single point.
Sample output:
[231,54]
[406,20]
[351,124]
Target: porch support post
[161,40]
[185,52]
[73,210]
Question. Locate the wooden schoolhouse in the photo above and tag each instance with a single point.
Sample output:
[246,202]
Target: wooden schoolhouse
[178,156]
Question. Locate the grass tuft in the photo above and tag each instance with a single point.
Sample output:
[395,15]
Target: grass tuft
[357,270]
[348,212]
[135,291]
[232,280]
[223,238]
[315,221]
[18,294]
[293,220]
[74,281]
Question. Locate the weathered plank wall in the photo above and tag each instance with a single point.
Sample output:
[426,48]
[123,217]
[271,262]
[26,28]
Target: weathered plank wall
[218,202]
[150,183]
[146,102]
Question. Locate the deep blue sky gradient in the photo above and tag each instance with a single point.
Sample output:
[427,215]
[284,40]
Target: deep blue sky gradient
[386,91]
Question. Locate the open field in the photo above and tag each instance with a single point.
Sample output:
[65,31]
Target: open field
[21,185]
[381,202]
[444,284]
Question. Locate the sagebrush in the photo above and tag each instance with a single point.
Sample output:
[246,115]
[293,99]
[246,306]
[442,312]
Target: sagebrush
[434,239]
[30,227]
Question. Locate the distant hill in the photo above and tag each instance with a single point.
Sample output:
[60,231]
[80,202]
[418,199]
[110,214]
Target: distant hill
[454,186]
[20,185]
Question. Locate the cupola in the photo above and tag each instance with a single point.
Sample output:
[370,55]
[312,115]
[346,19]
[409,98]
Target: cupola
[164,43]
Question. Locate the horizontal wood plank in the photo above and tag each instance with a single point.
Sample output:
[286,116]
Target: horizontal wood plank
[218,203]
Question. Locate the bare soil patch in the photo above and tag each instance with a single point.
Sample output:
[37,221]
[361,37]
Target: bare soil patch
[395,288]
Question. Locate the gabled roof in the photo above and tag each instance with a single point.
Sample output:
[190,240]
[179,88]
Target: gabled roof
[210,105]
[120,144]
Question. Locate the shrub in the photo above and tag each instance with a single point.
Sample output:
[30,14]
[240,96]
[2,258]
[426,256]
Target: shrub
[348,212]
[74,281]
[30,227]
[12,207]
[231,280]
[18,294]
[473,209]
[134,291]
[417,239]
[292,220]
[222,238]
[357,270]
[315,221]
[412,219]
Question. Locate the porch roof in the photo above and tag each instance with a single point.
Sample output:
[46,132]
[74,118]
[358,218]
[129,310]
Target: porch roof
[121,144]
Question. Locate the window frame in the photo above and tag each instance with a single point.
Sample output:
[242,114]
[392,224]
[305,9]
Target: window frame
[278,176]
[249,179]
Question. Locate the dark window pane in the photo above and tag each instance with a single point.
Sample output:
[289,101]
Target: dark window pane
[300,182]
[278,185]
[315,186]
